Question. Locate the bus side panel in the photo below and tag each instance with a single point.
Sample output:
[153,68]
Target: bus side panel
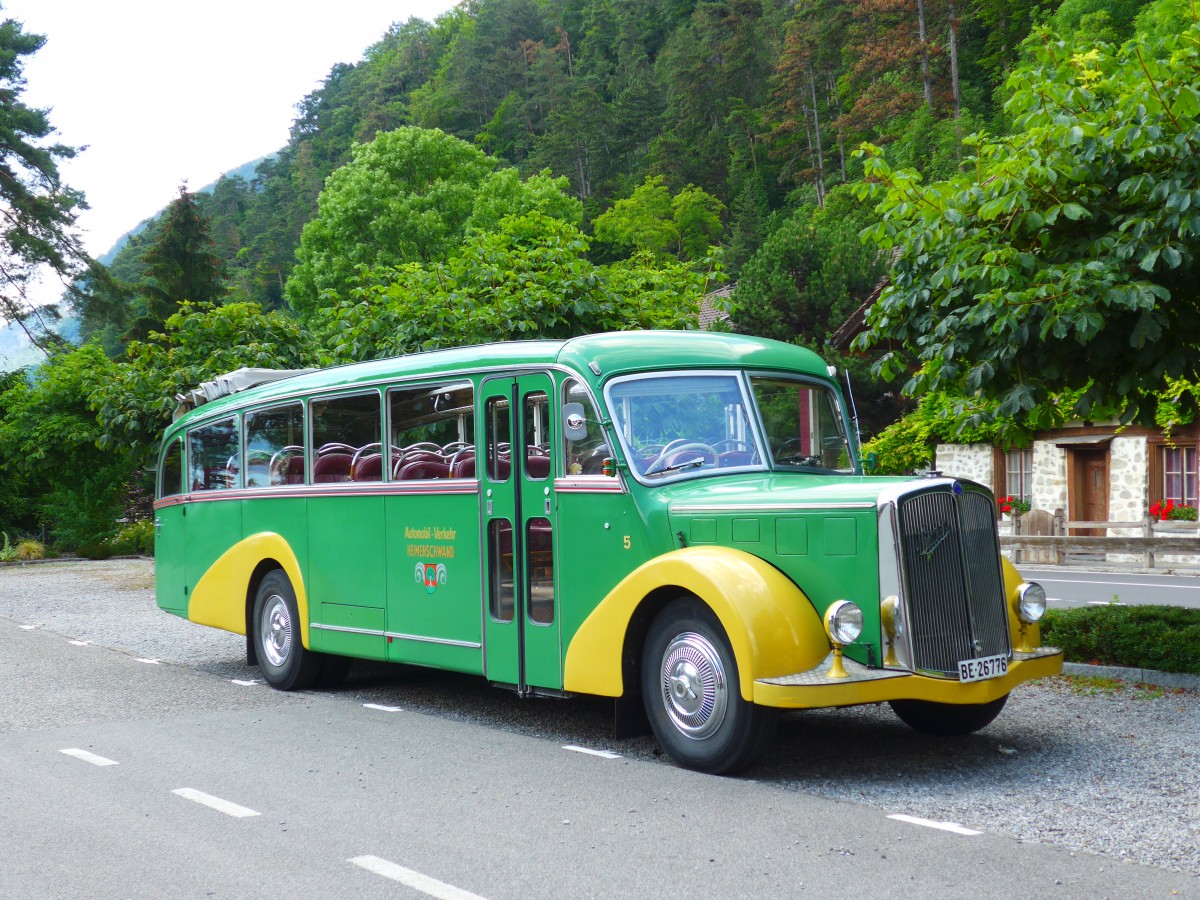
[213,526]
[601,540]
[346,578]
[434,593]
[170,551]
[285,516]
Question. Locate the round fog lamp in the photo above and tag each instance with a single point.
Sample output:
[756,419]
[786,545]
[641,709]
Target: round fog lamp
[889,613]
[1031,602]
[844,622]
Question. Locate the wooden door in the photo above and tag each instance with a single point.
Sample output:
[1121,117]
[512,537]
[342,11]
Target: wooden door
[1089,489]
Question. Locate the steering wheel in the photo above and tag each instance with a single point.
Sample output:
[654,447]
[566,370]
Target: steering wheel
[677,451]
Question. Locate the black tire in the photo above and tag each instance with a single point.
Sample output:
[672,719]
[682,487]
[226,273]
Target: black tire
[282,658]
[947,719]
[691,692]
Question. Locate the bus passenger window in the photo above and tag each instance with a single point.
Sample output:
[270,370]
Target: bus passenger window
[213,456]
[500,588]
[170,481]
[585,456]
[343,428]
[499,438]
[537,436]
[539,536]
[275,446]
[432,431]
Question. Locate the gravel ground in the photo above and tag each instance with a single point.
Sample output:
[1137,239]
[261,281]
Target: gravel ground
[1093,765]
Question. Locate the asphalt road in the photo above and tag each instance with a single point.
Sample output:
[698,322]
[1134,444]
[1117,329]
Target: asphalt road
[187,777]
[127,778]
[1070,587]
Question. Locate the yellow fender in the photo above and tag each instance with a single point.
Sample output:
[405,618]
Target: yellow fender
[771,624]
[219,598]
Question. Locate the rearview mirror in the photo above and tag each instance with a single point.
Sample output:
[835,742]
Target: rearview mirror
[574,421]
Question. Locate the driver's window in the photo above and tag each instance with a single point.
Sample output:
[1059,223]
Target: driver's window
[585,456]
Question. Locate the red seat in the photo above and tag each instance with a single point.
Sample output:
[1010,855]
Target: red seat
[368,468]
[422,469]
[464,467]
[537,467]
[332,468]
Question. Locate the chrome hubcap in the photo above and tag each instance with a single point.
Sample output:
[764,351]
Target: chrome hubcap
[276,631]
[694,689]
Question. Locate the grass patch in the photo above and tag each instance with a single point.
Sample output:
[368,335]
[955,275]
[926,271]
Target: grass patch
[1164,638]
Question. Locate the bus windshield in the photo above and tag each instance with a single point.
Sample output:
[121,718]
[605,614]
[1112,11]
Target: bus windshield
[674,424]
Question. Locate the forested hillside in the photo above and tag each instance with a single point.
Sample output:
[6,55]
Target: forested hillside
[1027,177]
[757,102]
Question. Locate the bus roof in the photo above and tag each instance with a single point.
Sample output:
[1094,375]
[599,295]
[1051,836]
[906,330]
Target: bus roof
[596,357]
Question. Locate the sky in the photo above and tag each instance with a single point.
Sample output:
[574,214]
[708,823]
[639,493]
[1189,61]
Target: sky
[163,92]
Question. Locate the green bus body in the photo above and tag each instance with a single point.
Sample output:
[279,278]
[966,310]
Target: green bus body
[664,518]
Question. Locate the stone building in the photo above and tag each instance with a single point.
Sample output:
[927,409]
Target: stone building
[1093,473]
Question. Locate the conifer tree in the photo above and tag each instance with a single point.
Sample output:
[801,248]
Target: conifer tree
[37,232]
[180,265]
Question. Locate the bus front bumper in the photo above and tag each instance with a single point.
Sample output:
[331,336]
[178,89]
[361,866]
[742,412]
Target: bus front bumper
[814,689]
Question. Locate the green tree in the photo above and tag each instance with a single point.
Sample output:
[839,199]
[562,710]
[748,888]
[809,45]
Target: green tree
[180,266]
[1066,260]
[685,225]
[49,440]
[529,278]
[197,343]
[408,196]
[37,231]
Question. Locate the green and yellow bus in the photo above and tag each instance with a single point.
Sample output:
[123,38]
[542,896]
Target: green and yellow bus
[678,521]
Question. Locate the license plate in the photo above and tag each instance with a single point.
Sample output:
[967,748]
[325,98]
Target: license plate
[982,669]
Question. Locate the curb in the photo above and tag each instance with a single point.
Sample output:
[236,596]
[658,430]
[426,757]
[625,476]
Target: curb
[1140,676]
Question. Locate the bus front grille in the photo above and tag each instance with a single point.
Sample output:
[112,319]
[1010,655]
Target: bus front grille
[954,584]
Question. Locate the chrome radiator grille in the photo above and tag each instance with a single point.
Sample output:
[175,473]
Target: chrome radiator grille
[955,587]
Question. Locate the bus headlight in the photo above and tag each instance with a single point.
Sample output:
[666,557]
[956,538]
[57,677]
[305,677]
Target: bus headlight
[844,622]
[1031,602]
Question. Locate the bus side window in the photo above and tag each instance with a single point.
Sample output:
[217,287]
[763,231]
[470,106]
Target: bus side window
[586,456]
[432,431]
[170,480]
[537,436]
[213,458]
[499,438]
[343,428]
[275,446]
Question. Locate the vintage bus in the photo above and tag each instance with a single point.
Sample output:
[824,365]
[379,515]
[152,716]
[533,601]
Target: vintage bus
[678,521]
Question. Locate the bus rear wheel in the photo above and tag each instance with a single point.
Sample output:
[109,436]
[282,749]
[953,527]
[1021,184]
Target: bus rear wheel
[947,719]
[691,691]
[283,659]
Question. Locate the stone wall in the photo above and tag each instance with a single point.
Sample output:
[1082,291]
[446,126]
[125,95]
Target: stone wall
[973,462]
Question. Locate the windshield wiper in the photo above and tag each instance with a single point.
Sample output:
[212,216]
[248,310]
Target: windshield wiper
[690,464]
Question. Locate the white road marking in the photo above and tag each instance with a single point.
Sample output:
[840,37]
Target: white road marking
[79,643]
[225,806]
[414,880]
[382,708]
[152,662]
[605,754]
[243,682]
[952,827]
[28,627]
[89,757]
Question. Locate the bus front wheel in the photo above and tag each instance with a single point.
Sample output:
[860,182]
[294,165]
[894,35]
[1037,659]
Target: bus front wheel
[284,661]
[691,691]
